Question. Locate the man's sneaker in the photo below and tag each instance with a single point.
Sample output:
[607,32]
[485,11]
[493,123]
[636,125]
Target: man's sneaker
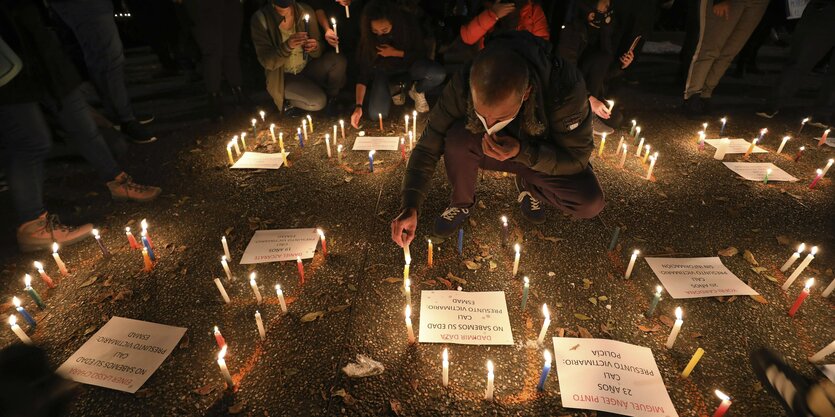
[767,112]
[449,222]
[781,381]
[421,105]
[138,133]
[694,107]
[124,189]
[530,207]
[399,99]
[599,127]
[39,234]
[144,118]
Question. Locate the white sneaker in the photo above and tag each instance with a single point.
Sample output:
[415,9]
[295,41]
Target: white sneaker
[398,99]
[421,106]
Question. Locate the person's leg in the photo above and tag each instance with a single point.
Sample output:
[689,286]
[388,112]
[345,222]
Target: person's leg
[207,19]
[714,31]
[26,142]
[94,27]
[378,96]
[427,75]
[328,71]
[231,19]
[748,14]
[462,156]
[692,21]
[595,65]
[303,93]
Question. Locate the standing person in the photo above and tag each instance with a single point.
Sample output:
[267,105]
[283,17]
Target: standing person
[391,50]
[47,81]
[725,27]
[518,108]
[217,30]
[296,68]
[499,17]
[92,23]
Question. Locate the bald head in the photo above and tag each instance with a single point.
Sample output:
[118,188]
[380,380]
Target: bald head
[497,75]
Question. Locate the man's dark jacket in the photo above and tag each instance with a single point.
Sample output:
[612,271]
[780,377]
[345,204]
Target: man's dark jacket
[553,127]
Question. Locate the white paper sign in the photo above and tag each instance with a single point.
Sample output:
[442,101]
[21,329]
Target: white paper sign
[607,375]
[755,171]
[123,354]
[280,245]
[736,146]
[258,160]
[697,277]
[795,8]
[371,143]
[464,318]
[828,370]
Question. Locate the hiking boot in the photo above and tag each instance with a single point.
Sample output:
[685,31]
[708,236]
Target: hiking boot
[767,112]
[421,105]
[124,189]
[39,234]
[599,127]
[693,107]
[137,133]
[398,99]
[449,222]
[781,381]
[530,207]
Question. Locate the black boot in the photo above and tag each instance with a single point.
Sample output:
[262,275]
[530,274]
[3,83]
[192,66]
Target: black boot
[215,104]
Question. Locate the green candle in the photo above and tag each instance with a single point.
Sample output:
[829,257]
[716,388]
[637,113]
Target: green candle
[525,289]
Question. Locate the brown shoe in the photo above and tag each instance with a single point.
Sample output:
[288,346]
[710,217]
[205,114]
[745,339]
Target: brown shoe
[124,189]
[39,234]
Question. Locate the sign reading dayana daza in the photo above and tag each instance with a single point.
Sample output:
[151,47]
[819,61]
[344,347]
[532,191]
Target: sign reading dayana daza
[466,318]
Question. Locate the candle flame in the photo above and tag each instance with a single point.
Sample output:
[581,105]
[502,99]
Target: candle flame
[299,130]
[547,356]
[785,138]
[252,277]
[27,280]
[489,367]
[809,283]
[768,171]
[636,252]
[278,289]
[647,147]
[222,353]
[144,222]
[223,258]
[819,171]
[634,122]
[658,289]
[814,250]
[339,148]
[754,141]
[408,311]
[704,126]
[262,113]
[414,113]
[527,281]
[801,248]
[723,120]
[12,320]
[763,131]
[216,330]
[320,231]
[39,266]
[638,129]
[611,103]
[341,122]
[805,120]
[655,155]
[333,20]
[16,301]
[678,313]
[408,260]
[445,355]
[371,153]
[308,116]
[96,232]
[272,126]
[253,122]
[55,244]
[504,220]
[830,162]
[545,312]
[517,248]
[299,259]
[802,148]
[722,396]
[229,146]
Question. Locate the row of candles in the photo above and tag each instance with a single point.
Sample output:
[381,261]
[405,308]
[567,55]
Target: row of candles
[642,150]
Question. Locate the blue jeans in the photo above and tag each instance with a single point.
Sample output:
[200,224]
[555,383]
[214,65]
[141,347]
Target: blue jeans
[25,135]
[92,23]
[425,73]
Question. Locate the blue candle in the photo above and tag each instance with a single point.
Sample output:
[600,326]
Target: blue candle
[525,290]
[762,134]
[461,241]
[545,370]
[104,250]
[301,138]
[614,239]
[32,293]
[148,248]
[370,161]
[23,312]
[654,302]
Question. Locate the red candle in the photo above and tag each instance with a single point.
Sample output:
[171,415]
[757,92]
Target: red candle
[221,342]
[817,178]
[823,137]
[46,278]
[402,149]
[799,153]
[301,269]
[131,239]
[801,297]
[724,405]
[324,242]
[380,115]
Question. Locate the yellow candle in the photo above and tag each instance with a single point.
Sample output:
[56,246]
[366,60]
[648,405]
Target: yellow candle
[229,153]
[243,141]
[602,145]
[693,361]
[410,332]
[310,122]
[147,259]
[281,142]
[430,253]
[272,131]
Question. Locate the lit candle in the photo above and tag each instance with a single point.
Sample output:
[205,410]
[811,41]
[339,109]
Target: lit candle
[407,253]
[281,301]
[260,323]
[27,282]
[324,242]
[61,266]
[518,250]
[767,173]
[722,149]
[763,131]
[225,247]
[380,116]
[704,127]
[652,161]
[407,291]
[347,12]
[632,129]
[461,241]
[829,288]
[310,119]
[255,287]
[221,342]
[782,144]
[801,297]
[525,289]
[823,137]
[307,30]
[333,22]
[828,165]
[692,364]
[655,300]
[148,247]
[445,368]
[104,250]
[631,265]
[611,104]
[602,144]
[823,353]
[646,153]
[226,267]
[723,406]
[18,331]
[300,267]
[304,129]
[131,239]
[234,143]
[301,138]
[411,141]
[623,157]
[414,123]
[229,153]
[750,148]
[430,254]
[342,129]
[808,259]
[403,148]
[617,148]
[243,141]
[46,278]
[802,123]
[254,130]
[281,143]
[637,132]
[505,231]
[640,146]
[702,138]
[328,144]
[146,259]
[545,370]
[222,290]
[724,120]
[799,153]
[545,324]
[488,393]
[406,127]
[371,161]
[224,370]
[272,131]
[262,113]
[676,328]
[409,331]
[22,311]
[144,224]
[406,268]
[817,178]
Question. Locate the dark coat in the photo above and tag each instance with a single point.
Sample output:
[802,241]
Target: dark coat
[554,126]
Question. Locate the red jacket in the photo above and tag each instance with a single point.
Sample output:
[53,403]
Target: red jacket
[531,19]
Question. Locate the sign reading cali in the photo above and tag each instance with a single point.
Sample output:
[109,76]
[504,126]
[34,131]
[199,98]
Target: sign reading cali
[464,318]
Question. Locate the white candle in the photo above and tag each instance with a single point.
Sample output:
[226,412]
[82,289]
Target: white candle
[518,250]
[58,261]
[793,258]
[223,369]
[336,34]
[640,146]
[254,287]
[234,143]
[414,123]
[407,254]
[260,324]
[281,298]
[342,128]
[222,290]
[335,137]
[652,161]
[407,291]
[328,144]
[783,144]
[828,165]
[243,141]
[823,353]
[262,113]
[800,268]
[406,127]
[18,331]
[545,324]
[623,157]
[226,267]
[631,264]
[406,269]
[339,153]
[828,291]
[722,149]
[617,148]
[676,328]
[445,370]
[225,247]
[409,331]
[488,393]
[611,104]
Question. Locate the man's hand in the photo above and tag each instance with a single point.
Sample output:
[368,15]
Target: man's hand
[330,38]
[296,40]
[344,2]
[356,117]
[722,9]
[599,108]
[500,148]
[626,59]
[311,45]
[388,50]
[503,9]
[403,227]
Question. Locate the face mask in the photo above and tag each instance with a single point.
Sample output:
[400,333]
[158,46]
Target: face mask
[601,19]
[384,39]
[499,125]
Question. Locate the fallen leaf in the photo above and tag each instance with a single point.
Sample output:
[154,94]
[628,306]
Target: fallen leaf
[228,231]
[593,300]
[454,278]
[90,329]
[581,316]
[184,342]
[346,397]
[393,280]
[290,371]
[123,295]
[784,240]
[205,389]
[446,283]
[352,287]
[338,308]
[312,316]
[472,222]
[89,282]
[586,283]
[429,282]
[667,320]
[471,265]
[748,256]
[646,329]
[396,408]
[584,333]
[729,251]
[237,407]
[529,323]
[144,393]
[603,298]
[760,299]
[759,269]
[493,265]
